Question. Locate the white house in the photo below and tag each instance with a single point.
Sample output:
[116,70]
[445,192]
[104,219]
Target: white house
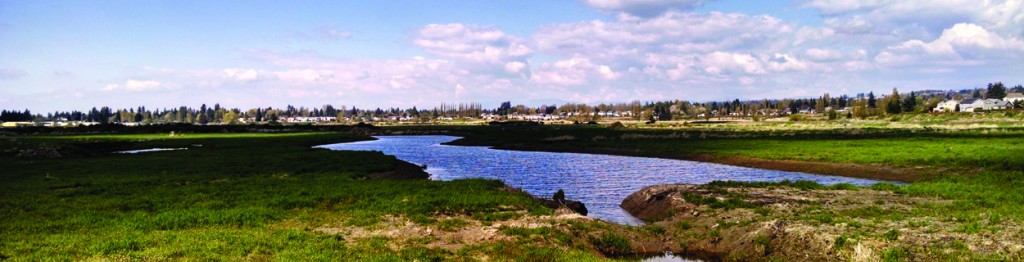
[1013,97]
[976,104]
[972,104]
[947,106]
[996,104]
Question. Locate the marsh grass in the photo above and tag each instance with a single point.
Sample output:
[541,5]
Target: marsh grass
[612,244]
[228,197]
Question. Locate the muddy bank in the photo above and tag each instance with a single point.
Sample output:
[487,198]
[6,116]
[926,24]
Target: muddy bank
[876,172]
[780,222]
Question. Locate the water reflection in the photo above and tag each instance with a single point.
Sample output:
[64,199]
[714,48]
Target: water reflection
[599,181]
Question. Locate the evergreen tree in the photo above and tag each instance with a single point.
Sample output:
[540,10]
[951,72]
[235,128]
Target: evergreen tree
[892,105]
[202,119]
[996,91]
[872,103]
[910,102]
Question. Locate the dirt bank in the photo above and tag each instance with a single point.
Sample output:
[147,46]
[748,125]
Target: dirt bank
[778,222]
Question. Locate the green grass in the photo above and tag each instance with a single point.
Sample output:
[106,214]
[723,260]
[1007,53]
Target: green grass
[228,197]
[261,196]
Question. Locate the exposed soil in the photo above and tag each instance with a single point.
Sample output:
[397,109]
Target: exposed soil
[818,225]
[876,172]
[402,232]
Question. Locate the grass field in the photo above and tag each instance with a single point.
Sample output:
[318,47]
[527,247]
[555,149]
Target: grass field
[270,196]
[227,197]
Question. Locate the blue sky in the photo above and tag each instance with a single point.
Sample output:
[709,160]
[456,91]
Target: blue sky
[72,55]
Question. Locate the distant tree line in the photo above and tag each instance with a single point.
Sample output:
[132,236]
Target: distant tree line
[860,105]
[15,116]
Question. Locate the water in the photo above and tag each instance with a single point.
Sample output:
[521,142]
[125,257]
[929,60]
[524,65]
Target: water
[669,257]
[599,181]
[148,150]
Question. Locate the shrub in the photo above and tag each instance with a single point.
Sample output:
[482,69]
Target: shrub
[891,235]
[896,254]
[762,240]
[684,225]
[612,245]
[972,227]
[616,125]
[840,243]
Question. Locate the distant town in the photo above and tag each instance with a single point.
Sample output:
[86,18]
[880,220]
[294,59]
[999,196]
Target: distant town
[995,97]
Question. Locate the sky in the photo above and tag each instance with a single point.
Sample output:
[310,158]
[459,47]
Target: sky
[74,55]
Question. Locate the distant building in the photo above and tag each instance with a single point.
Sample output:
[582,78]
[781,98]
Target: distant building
[996,104]
[977,104]
[972,104]
[1013,97]
[17,124]
[947,106]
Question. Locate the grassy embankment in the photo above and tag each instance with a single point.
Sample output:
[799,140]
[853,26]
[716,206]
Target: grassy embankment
[967,184]
[239,197]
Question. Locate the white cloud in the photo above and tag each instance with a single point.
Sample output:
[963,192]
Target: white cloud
[643,8]
[964,44]
[1002,16]
[823,55]
[785,62]
[835,7]
[132,85]
[459,90]
[572,72]
[632,40]
[607,73]
[241,75]
[472,43]
[732,63]
[514,67]
[304,75]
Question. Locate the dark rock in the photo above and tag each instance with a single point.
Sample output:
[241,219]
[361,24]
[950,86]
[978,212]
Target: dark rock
[559,196]
[575,206]
[558,201]
[659,203]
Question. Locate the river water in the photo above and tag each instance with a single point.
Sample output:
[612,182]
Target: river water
[599,181]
